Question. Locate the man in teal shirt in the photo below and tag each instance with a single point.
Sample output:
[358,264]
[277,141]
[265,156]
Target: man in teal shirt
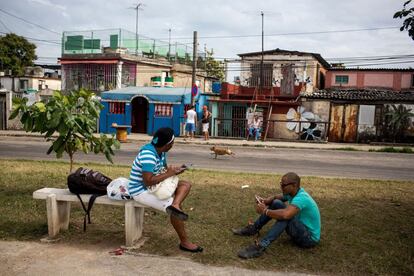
[299,217]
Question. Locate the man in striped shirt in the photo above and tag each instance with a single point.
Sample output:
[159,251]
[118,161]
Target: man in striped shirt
[147,170]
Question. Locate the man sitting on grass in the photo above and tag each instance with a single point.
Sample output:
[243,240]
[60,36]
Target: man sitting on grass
[300,218]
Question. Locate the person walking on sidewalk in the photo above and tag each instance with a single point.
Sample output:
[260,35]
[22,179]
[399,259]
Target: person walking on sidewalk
[148,170]
[300,218]
[190,125]
[206,121]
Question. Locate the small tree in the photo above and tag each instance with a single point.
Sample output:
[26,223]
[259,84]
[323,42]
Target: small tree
[408,23]
[399,119]
[214,68]
[73,117]
[16,53]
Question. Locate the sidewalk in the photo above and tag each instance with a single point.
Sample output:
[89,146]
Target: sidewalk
[231,142]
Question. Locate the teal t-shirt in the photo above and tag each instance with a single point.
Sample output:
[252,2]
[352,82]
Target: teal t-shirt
[308,212]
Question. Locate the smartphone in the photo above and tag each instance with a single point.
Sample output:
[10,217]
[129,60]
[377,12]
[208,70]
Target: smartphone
[185,167]
[258,199]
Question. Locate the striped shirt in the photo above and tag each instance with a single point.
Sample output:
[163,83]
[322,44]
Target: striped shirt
[147,160]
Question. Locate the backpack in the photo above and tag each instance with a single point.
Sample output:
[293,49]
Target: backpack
[87,181]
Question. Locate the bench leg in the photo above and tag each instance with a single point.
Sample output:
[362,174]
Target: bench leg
[58,213]
[64,214]
[134,221]
[53,224]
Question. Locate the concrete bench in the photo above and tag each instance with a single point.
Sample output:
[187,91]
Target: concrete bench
[58,212]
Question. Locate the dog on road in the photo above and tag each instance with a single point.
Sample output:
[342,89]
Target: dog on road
[221,151]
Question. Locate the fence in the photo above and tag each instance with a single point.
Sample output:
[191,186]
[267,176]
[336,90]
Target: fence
[113,40]
[301,130]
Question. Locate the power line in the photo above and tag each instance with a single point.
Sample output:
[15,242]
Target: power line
[2,23]
[289,34]
[34,24]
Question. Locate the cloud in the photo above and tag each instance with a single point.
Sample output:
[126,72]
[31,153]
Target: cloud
[217,18]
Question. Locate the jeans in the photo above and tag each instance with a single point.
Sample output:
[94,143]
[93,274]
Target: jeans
[256,131]
[294,228]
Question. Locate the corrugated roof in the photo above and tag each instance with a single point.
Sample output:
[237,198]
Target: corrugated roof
[361,95]
[287,52]
[373,69]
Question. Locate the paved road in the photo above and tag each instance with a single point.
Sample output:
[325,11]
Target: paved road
[330,163]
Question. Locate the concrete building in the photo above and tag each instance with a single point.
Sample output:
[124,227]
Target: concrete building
[36,84]
[104,60]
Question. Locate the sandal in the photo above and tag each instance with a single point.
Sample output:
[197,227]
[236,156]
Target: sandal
[198,249]
[172,211]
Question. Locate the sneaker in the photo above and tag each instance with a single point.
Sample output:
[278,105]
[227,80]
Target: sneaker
[252,251]
[248,230]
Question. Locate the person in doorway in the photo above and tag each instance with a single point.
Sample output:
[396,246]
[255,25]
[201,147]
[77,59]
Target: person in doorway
[255,128]
[190,126]
[147,170]
[300,218]
[206,122]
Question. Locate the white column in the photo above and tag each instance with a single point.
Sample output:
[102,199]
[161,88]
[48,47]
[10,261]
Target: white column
[119,74]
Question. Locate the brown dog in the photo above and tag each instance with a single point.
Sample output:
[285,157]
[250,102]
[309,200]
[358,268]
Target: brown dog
[221,151]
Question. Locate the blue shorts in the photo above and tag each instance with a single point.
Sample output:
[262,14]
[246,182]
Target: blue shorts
[190,127]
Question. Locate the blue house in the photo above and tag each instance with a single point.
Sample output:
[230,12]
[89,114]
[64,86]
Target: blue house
[145,109]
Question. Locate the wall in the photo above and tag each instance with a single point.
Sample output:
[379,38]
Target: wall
[395,80]
[406,80]
[374,79]
[146,72]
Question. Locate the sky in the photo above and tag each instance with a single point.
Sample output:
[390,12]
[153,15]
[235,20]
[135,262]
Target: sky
[229,28]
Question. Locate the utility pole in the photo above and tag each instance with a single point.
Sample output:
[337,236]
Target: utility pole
[261,62]
[169,43]
[137,8]
[193,78]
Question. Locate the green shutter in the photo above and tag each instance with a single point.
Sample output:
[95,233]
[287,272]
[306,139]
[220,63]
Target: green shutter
[74,42]
[113,41]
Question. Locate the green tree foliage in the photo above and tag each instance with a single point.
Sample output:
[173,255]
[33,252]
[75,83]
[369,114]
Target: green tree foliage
[214,68]
[16,53]
[73,117]
[398,120]
[408,14]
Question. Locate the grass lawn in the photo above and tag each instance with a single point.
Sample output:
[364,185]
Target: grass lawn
[368,226]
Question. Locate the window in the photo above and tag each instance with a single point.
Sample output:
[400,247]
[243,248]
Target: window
[24,84]
[412,80]
[267,74]
[341,79]
[116,108]
[42,84]
[163,110]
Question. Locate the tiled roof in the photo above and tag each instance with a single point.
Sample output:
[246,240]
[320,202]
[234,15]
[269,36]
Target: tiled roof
[361,95]
[373,69]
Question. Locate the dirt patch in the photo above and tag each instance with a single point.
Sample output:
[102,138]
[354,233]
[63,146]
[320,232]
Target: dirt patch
[24,258]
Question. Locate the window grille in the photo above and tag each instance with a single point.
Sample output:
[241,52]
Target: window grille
[163,110]
[116,108]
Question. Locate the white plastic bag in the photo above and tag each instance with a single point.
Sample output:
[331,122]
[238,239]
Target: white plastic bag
[118,189]
[165,188]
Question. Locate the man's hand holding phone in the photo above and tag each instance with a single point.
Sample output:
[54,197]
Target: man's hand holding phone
[259,199]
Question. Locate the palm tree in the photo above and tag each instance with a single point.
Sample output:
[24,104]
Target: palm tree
[399,120]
